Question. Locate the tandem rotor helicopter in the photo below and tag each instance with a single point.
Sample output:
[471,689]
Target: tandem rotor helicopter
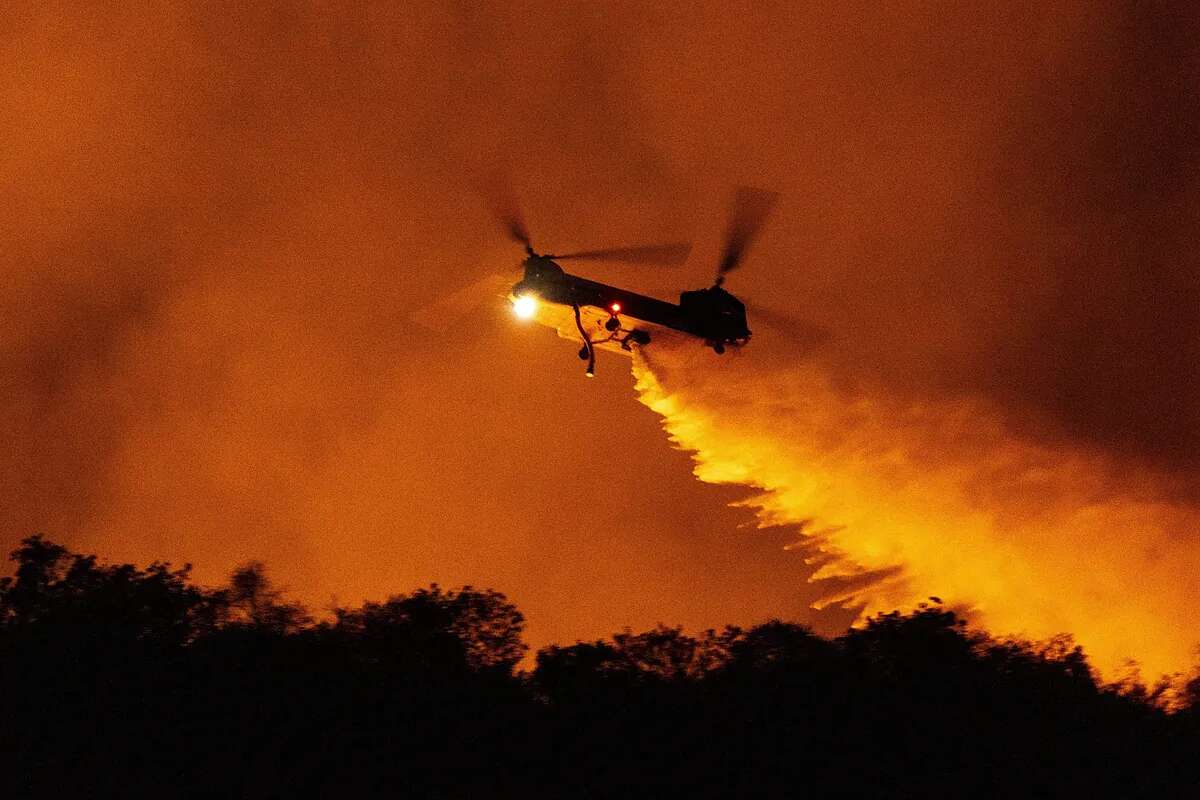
[613,318]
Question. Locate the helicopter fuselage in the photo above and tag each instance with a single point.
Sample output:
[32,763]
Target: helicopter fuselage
[712,315]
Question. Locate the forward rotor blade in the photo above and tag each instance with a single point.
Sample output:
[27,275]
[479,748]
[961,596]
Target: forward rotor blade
[450,309]
[750,208]
[672,254]
[498,189]
[515,227]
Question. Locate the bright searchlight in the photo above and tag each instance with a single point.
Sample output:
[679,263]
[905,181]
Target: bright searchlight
[525,306]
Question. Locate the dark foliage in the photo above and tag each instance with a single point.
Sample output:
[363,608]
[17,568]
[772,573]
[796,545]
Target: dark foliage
[121,681]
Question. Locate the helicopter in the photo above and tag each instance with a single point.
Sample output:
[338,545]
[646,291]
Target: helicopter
[609,317]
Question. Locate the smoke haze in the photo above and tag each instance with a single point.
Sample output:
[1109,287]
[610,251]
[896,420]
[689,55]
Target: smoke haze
[217,223]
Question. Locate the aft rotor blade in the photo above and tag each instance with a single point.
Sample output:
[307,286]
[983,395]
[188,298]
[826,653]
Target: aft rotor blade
[806,336]
[498,189]
[668,254]
[750,208]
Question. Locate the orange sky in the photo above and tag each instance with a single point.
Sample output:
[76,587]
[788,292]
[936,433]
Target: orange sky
[219,223]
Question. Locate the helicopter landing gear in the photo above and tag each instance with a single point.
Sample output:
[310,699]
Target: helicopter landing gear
[634,337]
[718,347]
[622,336]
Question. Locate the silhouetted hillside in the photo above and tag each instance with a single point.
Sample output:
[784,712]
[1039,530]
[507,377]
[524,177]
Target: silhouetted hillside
[120,681]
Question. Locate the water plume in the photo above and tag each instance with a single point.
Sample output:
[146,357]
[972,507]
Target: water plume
[906,499]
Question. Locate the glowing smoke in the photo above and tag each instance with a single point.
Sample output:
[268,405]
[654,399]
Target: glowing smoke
[908,501]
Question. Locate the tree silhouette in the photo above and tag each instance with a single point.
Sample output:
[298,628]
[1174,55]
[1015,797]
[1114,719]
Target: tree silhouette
[76,595]
[436,629]
[120,680]
[253,600]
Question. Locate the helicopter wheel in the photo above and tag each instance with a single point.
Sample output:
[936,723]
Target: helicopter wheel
[718,348]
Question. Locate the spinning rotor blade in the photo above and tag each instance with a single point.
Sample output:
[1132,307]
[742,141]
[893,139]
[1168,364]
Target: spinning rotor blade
[503,198]
[668,254]
[805,335]
[451,309]
[514,226]
[750,208]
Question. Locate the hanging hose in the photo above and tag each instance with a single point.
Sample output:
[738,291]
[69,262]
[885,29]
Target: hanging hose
[587,342]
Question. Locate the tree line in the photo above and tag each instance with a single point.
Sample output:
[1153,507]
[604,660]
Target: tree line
[120,681]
